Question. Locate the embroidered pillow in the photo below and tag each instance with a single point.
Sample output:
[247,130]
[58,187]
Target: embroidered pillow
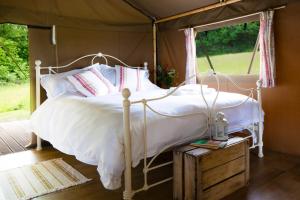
[57,84]
[129,78]
[91,83]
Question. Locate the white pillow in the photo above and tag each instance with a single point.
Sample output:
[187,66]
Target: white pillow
[108,72]
[132,79]
[57,84]
[91,83]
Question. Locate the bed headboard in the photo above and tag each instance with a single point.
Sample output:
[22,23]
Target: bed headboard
[51,69]
[93,56]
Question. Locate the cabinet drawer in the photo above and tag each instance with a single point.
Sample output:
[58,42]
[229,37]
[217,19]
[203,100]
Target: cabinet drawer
[222,172]
[225,188]
[219,157]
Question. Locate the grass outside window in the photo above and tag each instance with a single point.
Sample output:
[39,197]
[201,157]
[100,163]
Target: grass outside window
[14,102]
[232,64]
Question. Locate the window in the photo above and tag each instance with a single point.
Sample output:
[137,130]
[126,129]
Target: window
[229,48]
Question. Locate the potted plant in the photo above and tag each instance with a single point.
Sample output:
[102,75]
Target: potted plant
[165,76]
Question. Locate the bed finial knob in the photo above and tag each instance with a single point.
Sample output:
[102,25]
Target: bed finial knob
[145,65]
[259,83]
[99,54]
[126,93]
[38,62]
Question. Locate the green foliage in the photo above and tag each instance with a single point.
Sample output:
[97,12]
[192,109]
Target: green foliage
[14,66]
[229,39]
[165,77]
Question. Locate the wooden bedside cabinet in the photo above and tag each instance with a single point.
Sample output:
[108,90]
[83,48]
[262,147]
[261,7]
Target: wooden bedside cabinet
[201,173]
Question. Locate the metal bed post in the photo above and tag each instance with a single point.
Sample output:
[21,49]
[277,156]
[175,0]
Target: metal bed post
[260,126]
[38,96]
[127,194]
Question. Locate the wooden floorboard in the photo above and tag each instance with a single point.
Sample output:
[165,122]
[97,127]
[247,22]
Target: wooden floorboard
[90,190]
[276,176]
[266,175]
[14,136]
[4,148]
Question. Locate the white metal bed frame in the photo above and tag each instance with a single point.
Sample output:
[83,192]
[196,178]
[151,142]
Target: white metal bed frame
[129,192]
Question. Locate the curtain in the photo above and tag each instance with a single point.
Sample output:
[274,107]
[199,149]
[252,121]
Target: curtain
[267,52]
[191,60]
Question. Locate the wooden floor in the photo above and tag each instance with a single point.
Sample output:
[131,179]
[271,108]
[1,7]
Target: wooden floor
[14,136]
[276,176]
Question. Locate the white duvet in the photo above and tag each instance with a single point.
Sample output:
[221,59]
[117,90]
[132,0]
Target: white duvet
[92,128]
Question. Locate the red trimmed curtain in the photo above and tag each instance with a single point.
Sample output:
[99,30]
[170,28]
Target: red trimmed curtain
[267,49]
[191,60]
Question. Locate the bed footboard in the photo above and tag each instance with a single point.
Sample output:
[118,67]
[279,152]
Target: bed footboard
[129,192]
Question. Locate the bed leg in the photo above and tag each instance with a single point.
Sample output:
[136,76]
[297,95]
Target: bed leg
[260,128]
[127,194]
[260,140]
[260,151]
[38,143]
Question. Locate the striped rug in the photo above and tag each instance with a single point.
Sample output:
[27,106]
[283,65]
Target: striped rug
[38,179]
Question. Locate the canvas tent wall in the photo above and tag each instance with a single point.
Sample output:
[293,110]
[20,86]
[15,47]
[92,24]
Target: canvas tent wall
[82,27]
[166,49]
[171,42]
[120,28]
[97,17]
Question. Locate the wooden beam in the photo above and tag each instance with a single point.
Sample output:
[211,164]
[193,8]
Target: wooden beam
[237,18]
[154,53]
[199,10]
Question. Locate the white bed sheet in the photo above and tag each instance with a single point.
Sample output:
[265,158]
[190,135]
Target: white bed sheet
[92,128]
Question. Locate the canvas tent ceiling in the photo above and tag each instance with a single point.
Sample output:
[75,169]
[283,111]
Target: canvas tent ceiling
[73,13]
[113,12]
[122,14]
[241,8]
[166,8]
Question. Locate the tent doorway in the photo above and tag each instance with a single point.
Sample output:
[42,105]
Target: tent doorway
[14,88]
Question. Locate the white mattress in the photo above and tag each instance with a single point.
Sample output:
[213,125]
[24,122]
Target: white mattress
[92,128]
